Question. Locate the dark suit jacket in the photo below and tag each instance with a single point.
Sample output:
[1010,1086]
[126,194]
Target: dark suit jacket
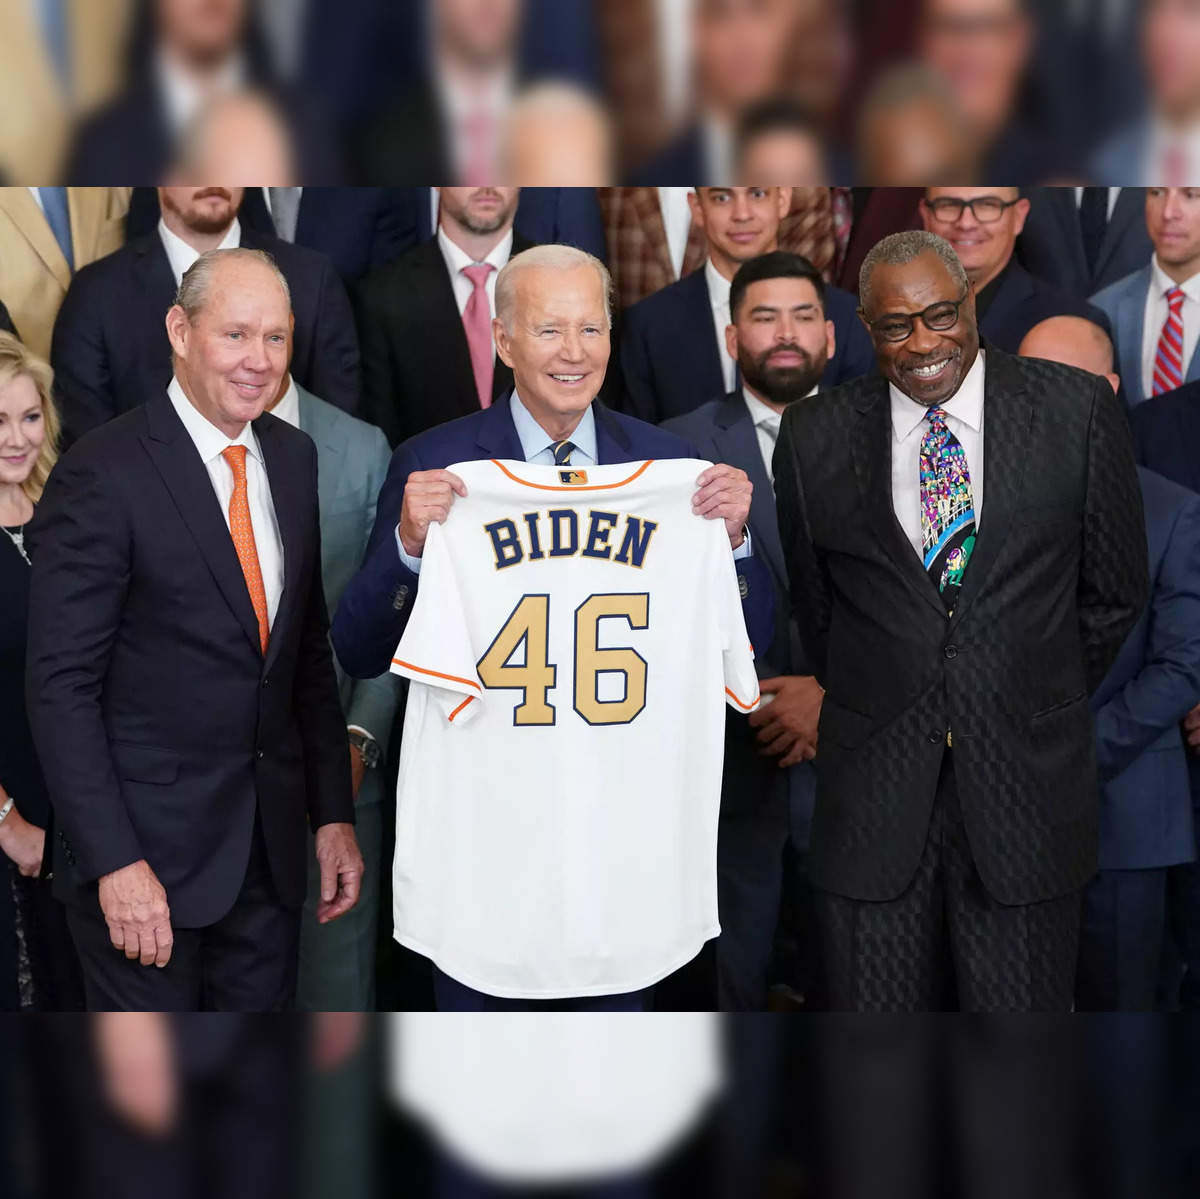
[1022,301]
[1145,799]
[162,728]
[357,227]
[110,347]
[671,363]
[6,321]
[416,363]
[678,164]
[1166,435]
[1057,579]
[375,606]
[723,431]
[1051,244]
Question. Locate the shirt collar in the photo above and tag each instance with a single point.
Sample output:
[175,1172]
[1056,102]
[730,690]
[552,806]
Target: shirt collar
[288,408]
[183,97]
[966,404]
[207,438]
[457,258]
[1163,283]
[534,439]
[181,256]
[718,285]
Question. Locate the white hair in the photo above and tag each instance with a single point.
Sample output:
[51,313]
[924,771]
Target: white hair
[197,279]
[553,257]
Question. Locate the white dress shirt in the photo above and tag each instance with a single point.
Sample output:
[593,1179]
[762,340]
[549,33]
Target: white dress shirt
[677,220]
[288,409]
[183,97]
[1114,194]
[766,427]
[718,297]
[457,258]
[1169,148]
[459,107]
[964,418]
[209,442]
[181,256]
[718,139]
[1156,316]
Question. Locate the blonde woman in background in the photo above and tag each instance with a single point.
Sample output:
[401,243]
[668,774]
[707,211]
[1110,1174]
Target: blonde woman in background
[37,960]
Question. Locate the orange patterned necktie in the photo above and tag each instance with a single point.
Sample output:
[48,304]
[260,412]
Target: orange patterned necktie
[242,532]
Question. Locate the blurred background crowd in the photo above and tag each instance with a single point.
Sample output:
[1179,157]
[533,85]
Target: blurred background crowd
[604,92]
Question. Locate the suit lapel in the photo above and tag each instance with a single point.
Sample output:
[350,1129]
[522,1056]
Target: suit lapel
[496,434]
[871,447]
[186,478]
[1007,432]
[1130,206]
[1131,320]
[737,443]
[612,442]
[700,316]
[287,499]
[648,219]
[31,222]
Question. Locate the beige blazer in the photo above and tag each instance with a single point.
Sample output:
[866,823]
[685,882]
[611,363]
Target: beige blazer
[33,272]
[36,129]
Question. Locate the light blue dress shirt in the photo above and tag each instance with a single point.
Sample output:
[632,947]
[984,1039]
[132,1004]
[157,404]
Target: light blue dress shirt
[538,447]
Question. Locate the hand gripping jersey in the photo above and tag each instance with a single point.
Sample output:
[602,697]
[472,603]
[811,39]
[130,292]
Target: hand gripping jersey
[556,1097]
[575,638]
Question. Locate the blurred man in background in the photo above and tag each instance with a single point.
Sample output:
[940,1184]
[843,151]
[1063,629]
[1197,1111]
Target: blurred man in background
[1155,311]
[779,141]
[982,225]
[1145,802]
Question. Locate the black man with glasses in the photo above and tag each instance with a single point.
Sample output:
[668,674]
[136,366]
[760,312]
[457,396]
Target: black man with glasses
[982,224]
[966,553]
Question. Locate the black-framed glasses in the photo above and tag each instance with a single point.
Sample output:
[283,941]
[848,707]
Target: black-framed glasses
[898,326]
[985,209]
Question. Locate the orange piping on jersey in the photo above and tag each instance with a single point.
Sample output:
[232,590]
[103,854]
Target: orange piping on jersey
[573,487]
[453,678]
[459,708]
[739,702]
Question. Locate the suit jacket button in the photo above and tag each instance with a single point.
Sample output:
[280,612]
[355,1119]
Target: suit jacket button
[259,755]
[265,682]
[951,652]
[743,586]
[935,737]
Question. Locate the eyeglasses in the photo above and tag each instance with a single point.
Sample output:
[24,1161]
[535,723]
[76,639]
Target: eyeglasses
[985,209]
[898,326]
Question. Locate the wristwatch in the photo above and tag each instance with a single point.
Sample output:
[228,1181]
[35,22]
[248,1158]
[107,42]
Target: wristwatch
[5,808]
[367,747]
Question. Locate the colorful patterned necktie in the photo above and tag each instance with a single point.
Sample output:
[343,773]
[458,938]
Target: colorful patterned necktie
[477,321]
[947,508]
[1168,361]
[242,532]
[562,452]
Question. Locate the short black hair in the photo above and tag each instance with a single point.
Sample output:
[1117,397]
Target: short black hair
[781,114]
[779,264]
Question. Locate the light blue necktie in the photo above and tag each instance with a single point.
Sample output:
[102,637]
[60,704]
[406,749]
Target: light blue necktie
[54,202]
[52,19]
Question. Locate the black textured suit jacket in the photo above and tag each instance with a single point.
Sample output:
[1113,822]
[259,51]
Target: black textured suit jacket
[110,348]
[160,725]
[416,364]
[1057,579]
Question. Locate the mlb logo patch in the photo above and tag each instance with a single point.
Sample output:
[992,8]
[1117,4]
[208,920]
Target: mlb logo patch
[574,477]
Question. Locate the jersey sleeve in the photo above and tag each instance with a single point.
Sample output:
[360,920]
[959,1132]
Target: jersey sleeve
[741,681]
[435,649]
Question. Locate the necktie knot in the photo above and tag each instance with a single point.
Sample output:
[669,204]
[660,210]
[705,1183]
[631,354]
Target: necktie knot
[562,452]
[478,273]
[1175,299]
[235,455]
[937,419]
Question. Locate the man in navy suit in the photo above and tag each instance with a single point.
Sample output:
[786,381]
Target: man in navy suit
[1146,822]
[555,337]
[673,353]
[982,224]
[781,340]
[1156,342]
[182,691]
[110,350]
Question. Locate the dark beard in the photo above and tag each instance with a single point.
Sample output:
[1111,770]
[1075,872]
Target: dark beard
[206,223]
[784,384]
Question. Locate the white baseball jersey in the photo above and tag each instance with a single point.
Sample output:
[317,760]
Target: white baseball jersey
[575,638]
[562,1097]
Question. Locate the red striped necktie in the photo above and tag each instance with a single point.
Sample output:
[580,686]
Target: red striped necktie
[1168,361]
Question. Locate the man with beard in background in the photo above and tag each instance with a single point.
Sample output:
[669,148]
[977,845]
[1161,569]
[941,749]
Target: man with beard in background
[782,340]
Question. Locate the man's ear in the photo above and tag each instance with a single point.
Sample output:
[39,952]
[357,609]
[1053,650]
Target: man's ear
[500,337]
[177,330]
[731,341]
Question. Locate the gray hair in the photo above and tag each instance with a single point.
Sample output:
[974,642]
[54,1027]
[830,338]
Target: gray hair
[898,249]
[548,257]
[194,287]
